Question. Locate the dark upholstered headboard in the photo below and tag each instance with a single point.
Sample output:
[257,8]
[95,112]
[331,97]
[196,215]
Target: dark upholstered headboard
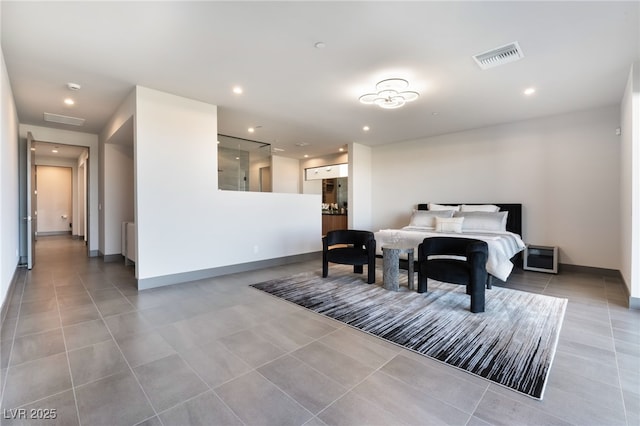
[514,217]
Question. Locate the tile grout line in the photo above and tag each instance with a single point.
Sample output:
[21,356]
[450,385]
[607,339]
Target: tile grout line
[121,354]
[255,369]
[615,354]
[66,353]
[177,353]
[209,388]
[348,389]
[13,338]
[379,369]
[475,409]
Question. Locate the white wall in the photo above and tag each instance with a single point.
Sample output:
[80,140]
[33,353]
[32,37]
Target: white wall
[255,164]
[118,204]
[117,180]
[285,174]
[9,204]
[361,187]
[88,140]
[630,184]
[563,169]
[54,200]
[184,223]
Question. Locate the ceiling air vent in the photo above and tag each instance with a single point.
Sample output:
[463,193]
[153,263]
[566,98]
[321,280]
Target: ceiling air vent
[499,56]
[63,119]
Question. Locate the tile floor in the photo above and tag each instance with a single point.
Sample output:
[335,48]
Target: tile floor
[81,341]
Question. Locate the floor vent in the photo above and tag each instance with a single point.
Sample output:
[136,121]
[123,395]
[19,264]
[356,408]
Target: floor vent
[499,56]
[63,119]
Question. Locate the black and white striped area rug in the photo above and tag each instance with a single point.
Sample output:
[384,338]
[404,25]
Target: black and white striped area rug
[512,343]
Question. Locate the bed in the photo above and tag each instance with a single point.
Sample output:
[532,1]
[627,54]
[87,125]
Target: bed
[501,229]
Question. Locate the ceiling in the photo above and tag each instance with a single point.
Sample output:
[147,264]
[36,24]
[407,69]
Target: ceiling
[50,151]
[303,99]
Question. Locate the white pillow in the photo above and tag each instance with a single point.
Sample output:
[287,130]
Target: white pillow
[433,206]
[483,221]
[479,208]
[426,218]
[449,224]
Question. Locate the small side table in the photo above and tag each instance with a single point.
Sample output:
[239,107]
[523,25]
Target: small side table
[541,258]
[391,266]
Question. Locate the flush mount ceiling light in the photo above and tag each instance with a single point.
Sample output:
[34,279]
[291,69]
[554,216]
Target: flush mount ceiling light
[390,93]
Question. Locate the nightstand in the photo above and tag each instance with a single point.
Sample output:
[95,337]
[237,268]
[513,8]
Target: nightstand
[541,258]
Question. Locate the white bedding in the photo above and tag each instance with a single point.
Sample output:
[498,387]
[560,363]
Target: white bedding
[502,245]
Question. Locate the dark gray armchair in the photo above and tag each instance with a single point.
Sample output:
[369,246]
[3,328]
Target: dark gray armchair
[469,269]
[352,247]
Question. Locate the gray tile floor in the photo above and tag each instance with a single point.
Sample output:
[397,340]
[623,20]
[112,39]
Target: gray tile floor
[79,339]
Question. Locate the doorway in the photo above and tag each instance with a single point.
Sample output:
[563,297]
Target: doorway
[54,205]
[334,204]
[56,193]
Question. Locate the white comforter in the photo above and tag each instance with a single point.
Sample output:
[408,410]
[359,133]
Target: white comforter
[502,245]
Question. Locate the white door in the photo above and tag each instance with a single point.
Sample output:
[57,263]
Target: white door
[32,214]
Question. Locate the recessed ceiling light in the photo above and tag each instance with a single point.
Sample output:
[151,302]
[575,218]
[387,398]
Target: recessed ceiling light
[365,128]
[54,150]
[530,91]
[320,45]
[306,156]
[237,90]
[341,149]
[33,149]
[435,113]
[251,130]
[69,101]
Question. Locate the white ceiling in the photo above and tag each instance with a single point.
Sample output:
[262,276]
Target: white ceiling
[53,152]
[577,54]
